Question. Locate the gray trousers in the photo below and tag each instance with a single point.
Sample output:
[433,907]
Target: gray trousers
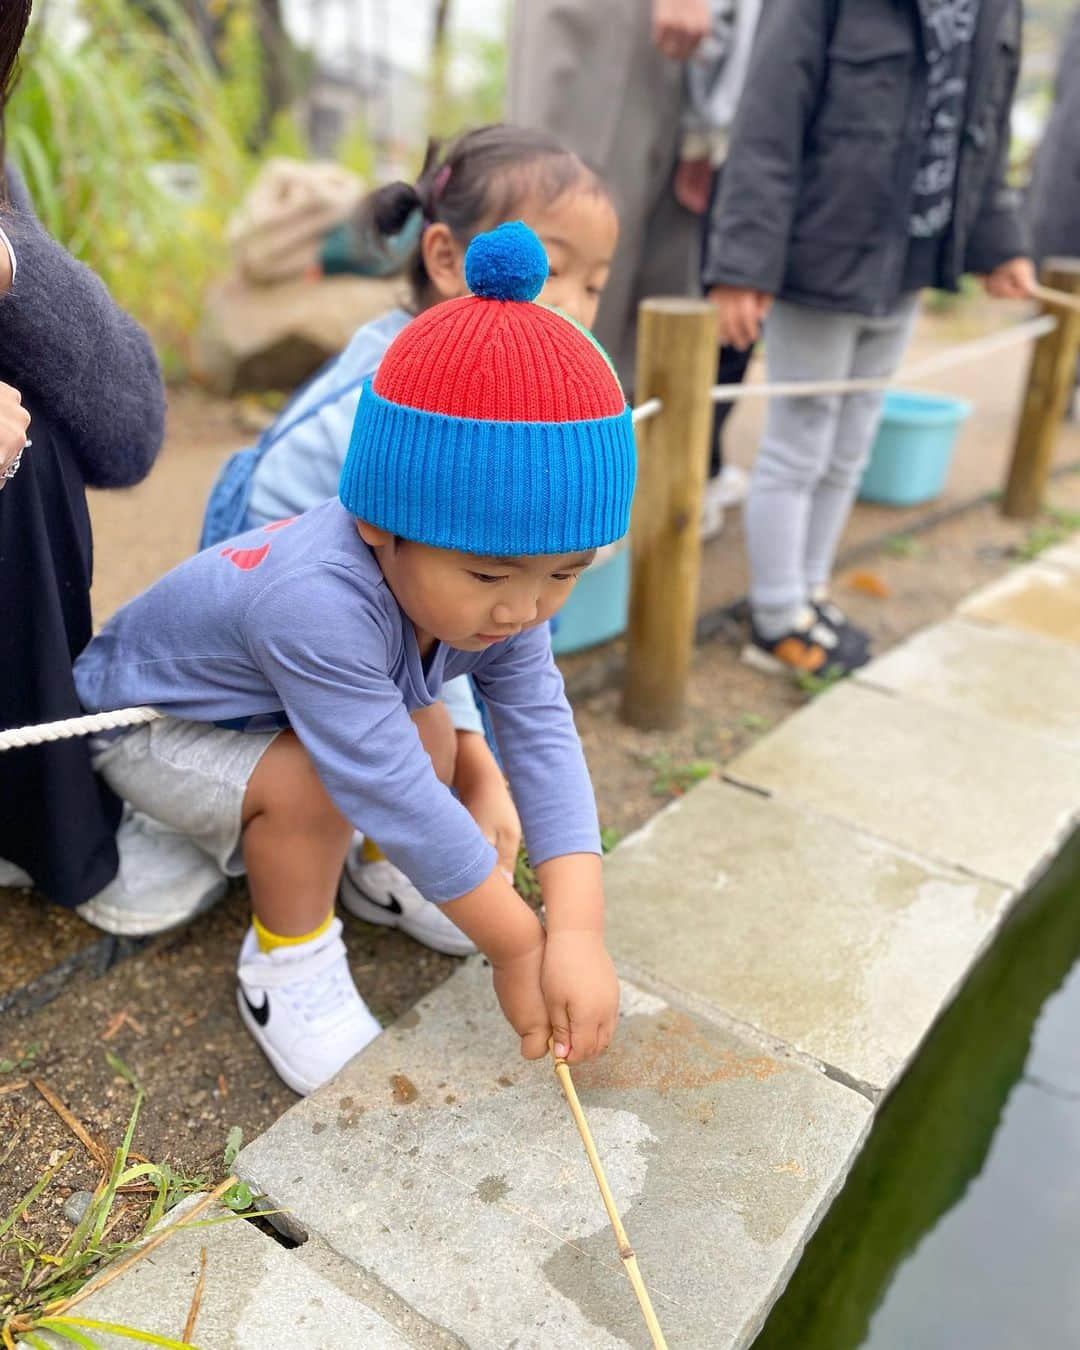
[587,72]
[813,449]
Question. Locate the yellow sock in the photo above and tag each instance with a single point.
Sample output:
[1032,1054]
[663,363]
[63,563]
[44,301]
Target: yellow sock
[370,851]
[268,941]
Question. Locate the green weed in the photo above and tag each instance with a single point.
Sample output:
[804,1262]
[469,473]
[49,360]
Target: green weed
[1055,525]
[1038,539]
[49,1282]
[813,685]
[24,1061]
[609,837]
[672,778]
[525,882]
[903,546]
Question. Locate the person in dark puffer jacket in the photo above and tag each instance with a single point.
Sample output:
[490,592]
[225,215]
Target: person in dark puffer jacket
[867,161]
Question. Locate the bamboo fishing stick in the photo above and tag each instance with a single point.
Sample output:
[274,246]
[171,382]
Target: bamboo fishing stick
[626,1252]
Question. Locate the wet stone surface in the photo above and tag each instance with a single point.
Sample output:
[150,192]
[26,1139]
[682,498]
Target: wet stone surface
[817,934]
[1037,599]
[474,1201]
[955,787]
[1019,678]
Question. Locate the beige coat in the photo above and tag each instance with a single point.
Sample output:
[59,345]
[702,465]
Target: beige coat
[586,71]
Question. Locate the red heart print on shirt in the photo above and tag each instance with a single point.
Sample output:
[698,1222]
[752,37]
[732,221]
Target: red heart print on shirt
[245,558]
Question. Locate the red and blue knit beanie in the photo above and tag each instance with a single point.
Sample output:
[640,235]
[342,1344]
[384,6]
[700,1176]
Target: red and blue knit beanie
[494,425]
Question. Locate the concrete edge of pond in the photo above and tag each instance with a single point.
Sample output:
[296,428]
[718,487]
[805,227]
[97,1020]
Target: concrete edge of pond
[787,941]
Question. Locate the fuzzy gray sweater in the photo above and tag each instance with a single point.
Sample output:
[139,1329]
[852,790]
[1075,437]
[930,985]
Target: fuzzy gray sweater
[75,356]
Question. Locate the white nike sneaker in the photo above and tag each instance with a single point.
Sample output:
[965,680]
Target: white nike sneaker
[13,876]
[302,1008]
[379,892]
[163,881]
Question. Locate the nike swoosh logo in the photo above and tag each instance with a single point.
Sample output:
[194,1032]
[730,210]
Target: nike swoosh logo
[261,1015]
[392,906]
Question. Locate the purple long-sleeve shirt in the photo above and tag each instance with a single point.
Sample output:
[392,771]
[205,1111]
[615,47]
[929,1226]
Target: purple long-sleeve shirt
[293,624]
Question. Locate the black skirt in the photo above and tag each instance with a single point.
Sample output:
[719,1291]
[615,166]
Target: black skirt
[57,818]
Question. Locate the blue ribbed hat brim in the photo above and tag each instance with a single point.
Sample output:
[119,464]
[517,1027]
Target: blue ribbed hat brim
[495,488]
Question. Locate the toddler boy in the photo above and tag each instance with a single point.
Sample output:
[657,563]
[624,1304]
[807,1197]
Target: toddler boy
[299,666]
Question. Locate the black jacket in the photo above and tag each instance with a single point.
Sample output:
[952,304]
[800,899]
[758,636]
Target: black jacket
[817,188]
[90,379]
[1054,201]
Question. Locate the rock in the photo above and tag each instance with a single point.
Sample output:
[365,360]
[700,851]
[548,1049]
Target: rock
[275,337]
[76,1205]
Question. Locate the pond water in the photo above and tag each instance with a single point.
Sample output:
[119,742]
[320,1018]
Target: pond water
[960,1223]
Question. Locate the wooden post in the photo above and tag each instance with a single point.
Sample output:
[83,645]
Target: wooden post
[1050,384]
[676,362]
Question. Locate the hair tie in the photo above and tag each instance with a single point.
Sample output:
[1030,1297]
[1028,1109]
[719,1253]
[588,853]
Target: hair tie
[438,186]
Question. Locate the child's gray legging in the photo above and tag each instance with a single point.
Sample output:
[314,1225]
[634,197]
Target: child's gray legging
[813,449]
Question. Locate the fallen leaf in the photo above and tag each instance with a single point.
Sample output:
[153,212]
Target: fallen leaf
[868,583]
[122,1019]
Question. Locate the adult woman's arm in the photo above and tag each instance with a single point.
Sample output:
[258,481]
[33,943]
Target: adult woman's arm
[70,349]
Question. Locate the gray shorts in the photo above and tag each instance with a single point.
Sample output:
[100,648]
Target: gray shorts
[191,776]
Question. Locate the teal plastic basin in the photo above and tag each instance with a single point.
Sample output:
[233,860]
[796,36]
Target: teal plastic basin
[597,609]
[913,450]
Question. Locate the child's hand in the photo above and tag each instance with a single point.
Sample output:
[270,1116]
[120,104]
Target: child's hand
[581,991]
[482,790]
[679,25]
[1012,280]
[740,312]
[517,987]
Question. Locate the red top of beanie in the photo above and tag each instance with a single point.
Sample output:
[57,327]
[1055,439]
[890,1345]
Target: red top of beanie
[500,361]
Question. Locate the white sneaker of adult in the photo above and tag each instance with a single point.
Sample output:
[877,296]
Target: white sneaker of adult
[163,881]
[732,485]
[13,876]
[726,489]
[302,1008]
[379,892]
[712,510]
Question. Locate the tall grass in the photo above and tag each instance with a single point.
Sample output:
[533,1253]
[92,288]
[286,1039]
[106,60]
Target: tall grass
[103,128]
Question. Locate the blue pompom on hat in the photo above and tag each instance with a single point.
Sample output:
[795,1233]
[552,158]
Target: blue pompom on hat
[494,426]
[507,263]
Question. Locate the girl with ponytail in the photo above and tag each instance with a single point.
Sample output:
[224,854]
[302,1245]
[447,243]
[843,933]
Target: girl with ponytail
[480,179]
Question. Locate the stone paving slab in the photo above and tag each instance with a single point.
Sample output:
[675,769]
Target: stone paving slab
[953,787]
[1036,599]
[256,1294]
[1065,555]
[450,1170]
[816,934]
[1021,679]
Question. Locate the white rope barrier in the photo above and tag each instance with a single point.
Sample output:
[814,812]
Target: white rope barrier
[18,737]
[919,370]
[76,726]
[645,410]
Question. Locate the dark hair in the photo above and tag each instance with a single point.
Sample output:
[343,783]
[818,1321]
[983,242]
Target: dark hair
[479,177]
[14,16]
